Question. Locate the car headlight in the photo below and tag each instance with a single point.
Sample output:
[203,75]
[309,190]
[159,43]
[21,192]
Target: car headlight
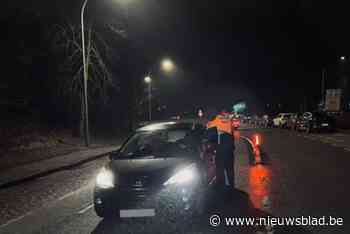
[184,176]
[105,179]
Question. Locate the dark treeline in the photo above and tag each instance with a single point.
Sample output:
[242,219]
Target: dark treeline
[36,74]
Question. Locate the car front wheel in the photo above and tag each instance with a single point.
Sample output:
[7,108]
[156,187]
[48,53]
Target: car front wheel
[308,129]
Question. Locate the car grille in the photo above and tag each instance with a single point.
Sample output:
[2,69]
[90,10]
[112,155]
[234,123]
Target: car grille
[138,186]
[138,181]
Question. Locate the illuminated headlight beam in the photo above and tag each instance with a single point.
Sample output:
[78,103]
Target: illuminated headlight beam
[105,179]
[184,176]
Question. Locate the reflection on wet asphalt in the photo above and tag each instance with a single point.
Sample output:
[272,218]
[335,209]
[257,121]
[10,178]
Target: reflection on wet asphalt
[259,186]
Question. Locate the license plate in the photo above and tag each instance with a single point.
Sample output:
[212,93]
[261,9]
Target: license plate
[325,125]
[130,213]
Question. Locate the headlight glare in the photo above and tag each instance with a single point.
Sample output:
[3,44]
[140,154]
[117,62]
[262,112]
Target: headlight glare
[184,176]
[105,179]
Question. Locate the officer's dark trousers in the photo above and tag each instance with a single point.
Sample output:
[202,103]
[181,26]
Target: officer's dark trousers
[225,162]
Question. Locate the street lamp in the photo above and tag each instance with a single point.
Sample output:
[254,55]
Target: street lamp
[167,65]
[85,70]
[86,111]
[148,80]
[342,58]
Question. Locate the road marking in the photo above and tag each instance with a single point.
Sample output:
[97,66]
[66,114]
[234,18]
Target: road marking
[88,207]
[67,195]
[35,209]
[15,219]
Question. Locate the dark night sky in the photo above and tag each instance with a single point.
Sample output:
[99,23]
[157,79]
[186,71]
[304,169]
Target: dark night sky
[275,49]
[265,51]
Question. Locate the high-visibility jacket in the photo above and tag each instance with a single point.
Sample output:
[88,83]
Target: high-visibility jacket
[222,123]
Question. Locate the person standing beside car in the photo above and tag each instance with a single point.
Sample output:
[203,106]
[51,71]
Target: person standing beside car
[225,147]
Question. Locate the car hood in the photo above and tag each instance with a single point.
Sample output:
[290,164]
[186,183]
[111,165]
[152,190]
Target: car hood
[155,170]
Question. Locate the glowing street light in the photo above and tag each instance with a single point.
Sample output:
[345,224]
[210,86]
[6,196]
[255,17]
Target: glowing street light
[148,79]
[342,58]
[167,65]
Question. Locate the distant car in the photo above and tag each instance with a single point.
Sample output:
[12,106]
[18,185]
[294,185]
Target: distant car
[292,121]
[315,122]
[267,121]
[281,120]
[246,119]
[159,167]
[176,117]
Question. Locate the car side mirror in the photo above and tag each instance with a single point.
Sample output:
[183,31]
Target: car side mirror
[112,155]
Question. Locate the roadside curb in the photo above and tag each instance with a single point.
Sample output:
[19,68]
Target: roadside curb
[6,183]
[344,131]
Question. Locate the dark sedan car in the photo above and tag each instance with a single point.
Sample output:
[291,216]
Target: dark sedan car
[314,122]
[158,168]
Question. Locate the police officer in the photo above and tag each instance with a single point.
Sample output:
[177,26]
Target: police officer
[224,159]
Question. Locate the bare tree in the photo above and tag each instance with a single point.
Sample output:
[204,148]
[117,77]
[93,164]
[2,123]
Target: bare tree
[67,45]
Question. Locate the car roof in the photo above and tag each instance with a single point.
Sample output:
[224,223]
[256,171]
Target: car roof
[166,126]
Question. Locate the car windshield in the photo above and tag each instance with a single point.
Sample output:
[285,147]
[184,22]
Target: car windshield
[160,143]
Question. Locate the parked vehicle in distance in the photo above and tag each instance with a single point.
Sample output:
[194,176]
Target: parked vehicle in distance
[315,122]
[246,119]
[292,121]
[281,120]
[267,121]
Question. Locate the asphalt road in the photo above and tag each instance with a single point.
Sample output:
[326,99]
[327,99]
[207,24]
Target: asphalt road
[301,176]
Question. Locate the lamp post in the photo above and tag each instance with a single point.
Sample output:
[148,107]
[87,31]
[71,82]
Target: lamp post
[85,71]
[148,81]
[85,108]
[166,65]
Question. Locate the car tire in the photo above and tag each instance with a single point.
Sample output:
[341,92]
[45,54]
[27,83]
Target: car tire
[103,212]
[308,130]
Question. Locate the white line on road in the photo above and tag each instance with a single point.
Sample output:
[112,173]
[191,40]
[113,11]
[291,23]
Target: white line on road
[46,205]
[15,220]
[88,207]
